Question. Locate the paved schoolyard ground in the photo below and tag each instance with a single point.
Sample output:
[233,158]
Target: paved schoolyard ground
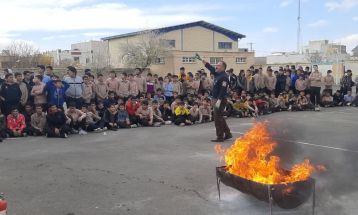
[171,170]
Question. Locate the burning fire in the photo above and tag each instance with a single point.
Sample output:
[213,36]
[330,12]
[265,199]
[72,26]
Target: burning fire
[250,158]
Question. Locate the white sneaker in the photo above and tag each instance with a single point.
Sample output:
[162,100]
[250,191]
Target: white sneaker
[105,129]
[82,132]
[134,126]
[168,122]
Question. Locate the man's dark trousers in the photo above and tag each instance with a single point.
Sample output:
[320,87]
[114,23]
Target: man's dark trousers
[220,122]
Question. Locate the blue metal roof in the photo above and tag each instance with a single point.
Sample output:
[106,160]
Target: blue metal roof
[231,34]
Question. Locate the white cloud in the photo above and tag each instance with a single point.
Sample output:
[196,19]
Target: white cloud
[318,23]
[86,15]
[286,3]
[355,18]
[341,5]
[350,41]
[270,30]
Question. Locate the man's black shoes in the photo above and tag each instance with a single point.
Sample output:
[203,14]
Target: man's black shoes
[219,140]
[227,137]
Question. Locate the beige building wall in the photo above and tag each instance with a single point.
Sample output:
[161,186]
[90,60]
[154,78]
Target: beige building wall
[174,61]
[188,42]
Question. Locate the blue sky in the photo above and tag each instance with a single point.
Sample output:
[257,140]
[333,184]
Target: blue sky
[270,24]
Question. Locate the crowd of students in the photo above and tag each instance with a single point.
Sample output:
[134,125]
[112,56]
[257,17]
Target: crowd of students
[45,104]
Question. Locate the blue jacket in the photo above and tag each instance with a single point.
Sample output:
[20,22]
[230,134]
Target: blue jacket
[56,95]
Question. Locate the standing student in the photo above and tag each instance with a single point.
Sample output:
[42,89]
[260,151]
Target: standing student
[168,89]
[10,94]
[56,92]
[112,82]
[88,90]
[42,71]
[23,88]
[259,80]
[123,89]
[101,89]
[75,90]
[38,91]
[28,80]
[141,81]
[133,88]
[315,82]
[328,82]
[270,82]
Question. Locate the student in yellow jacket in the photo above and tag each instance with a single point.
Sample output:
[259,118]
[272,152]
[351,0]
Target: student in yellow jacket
[182,115]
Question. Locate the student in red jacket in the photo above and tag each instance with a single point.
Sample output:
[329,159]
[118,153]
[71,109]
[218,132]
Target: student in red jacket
[16,124]
[132,106]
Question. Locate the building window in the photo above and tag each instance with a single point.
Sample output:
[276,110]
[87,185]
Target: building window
[225,45]
[215,60]
[88,60]
[76,59]
[189,60]
[240,60]
[159,60]
[169,43]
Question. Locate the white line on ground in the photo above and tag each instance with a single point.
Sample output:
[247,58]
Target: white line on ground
[310,144]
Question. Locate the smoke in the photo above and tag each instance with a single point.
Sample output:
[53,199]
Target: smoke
[337,188]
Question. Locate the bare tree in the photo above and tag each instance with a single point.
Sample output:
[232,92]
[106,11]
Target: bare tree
[23,54]
[149,47]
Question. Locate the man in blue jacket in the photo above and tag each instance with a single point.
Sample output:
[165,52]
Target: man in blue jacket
[56,90]
[220,93]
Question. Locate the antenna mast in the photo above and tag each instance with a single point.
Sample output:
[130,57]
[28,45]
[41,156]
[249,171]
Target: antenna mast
[299,27]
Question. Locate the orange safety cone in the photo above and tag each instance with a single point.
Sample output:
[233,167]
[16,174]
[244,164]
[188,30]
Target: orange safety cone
[3,204]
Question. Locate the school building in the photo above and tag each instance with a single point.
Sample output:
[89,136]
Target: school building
[211,42]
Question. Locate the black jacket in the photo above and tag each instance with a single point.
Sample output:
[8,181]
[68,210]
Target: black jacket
[11,93]
[221,83]
[56,120]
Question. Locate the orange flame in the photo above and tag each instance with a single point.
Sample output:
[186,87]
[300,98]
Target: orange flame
[250,157]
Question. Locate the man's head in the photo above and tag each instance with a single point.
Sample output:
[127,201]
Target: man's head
[18,77]
[329,72]
[302,93]
[52,108]
[315,67]
[349,93]
[182,70]
[138,71]
[122,107]
[28,108]
[71,107]
[41,69]
[112,108]
[9,78]
[112,74]
[84,109]
[57,83]
[38,79]
[111,95]
[349,72]
[49,70]
[15,112]
[100,77]
[85,79]
[72,71]
[155,104]
[38,109]
[27,75]
[221,66]
[124,76]
[144,104]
